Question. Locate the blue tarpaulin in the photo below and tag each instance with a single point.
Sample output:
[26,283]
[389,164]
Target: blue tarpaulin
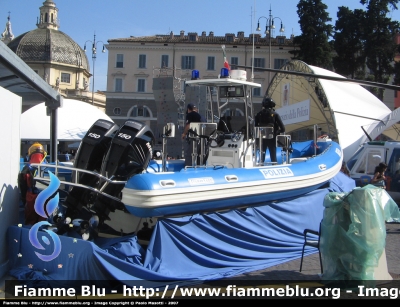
[191,248]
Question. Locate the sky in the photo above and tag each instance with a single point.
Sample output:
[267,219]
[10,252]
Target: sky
[81,19]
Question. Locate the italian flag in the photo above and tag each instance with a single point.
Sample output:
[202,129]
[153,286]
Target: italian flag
[226,64]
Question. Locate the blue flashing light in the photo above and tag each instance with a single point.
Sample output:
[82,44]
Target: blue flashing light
[224,73]
[195,74]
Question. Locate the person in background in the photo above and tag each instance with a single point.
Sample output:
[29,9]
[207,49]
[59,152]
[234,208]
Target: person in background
[268,117]
[191,117]
[26,183]
[379,178]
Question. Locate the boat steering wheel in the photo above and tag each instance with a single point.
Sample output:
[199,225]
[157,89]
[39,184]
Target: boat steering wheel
[217,139]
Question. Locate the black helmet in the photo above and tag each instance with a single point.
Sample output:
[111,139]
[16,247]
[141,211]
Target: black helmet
[268,103]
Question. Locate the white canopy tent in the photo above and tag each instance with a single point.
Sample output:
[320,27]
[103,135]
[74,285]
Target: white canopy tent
[345,110]
[74,120]
[355,108]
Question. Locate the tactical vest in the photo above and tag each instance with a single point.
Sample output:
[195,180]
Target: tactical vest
[267,119]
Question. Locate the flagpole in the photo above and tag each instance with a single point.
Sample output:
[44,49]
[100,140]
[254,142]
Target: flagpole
[252,60]
[226,64]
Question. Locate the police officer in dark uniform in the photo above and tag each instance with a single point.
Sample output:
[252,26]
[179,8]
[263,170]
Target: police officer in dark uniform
[268,117]
[191,117]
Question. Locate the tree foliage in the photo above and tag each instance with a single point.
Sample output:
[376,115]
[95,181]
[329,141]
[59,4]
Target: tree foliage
[348,43]
[379,40]
[313,43]
[364,42]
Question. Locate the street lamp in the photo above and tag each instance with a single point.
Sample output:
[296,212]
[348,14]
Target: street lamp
[94,52]
[268,30]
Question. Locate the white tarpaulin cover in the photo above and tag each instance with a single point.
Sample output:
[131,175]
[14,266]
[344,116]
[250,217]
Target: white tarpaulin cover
[74,120]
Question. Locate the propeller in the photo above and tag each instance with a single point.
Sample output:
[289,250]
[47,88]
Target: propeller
[87,228]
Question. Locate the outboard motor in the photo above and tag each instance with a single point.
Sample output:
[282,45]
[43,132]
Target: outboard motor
[91,153]
[129,154]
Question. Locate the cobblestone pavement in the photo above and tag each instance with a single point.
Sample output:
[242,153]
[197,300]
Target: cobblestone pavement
[311,267]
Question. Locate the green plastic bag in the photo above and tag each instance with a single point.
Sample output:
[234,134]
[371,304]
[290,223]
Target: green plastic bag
[353,232]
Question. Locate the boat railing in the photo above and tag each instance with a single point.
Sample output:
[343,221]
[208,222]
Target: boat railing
[41,175]
[250,146]
[199,135]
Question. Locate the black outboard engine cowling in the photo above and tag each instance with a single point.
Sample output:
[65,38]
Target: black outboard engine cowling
[90,156]
[129,154]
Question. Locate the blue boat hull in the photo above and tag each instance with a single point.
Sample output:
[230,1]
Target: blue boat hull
[218,204]
[209,189]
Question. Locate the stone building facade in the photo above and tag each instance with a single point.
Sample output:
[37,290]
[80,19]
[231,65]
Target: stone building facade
[146,75]
[56,57]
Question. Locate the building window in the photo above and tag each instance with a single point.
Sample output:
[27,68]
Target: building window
[255,38]
[164,60]
[234,61]
[142,61]
[259,62]
[229,38]
[257,92]
[187,62]
[118,84]
[141,111]
[141,85]
[117,111]
[278,63]
[192,37]
[211,63]
[281,40]
[120,61]
[65,78]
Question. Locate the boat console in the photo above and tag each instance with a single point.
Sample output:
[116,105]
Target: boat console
[230,150]
[232,144]
[224,147]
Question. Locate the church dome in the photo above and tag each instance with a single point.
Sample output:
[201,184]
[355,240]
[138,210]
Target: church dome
[49,46]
